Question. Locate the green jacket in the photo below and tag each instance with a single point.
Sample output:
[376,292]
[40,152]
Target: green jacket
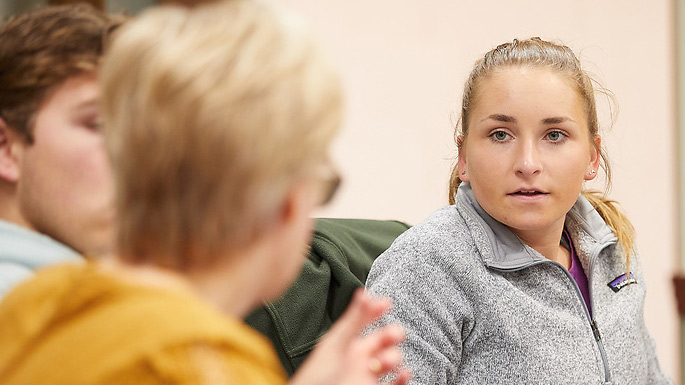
[338,262]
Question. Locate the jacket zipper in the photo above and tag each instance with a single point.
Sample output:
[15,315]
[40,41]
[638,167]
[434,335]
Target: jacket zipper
[591,321]
[593,324]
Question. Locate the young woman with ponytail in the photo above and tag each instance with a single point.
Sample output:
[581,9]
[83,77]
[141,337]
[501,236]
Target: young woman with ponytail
[526,278]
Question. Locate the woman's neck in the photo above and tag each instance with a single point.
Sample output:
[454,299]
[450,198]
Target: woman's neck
[547,243]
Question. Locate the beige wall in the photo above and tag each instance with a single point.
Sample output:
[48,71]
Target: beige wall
[404,62]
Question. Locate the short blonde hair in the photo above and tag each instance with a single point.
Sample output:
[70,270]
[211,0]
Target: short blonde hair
[211,114]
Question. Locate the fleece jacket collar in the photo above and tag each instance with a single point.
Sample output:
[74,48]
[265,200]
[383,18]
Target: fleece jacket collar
[510,253]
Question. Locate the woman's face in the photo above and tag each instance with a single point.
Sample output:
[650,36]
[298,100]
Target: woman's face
[528,149]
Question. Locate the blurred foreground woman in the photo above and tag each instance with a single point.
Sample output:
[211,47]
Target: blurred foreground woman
[218,121]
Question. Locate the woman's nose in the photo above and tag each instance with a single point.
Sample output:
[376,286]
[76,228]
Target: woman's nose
[527,160]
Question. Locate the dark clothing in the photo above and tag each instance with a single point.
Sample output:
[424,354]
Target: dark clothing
[338,262]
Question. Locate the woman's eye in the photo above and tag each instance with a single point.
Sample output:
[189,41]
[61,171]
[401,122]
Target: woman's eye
[500,136]
[555,136]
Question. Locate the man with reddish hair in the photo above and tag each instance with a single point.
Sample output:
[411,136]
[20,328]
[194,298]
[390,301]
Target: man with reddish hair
[55,182]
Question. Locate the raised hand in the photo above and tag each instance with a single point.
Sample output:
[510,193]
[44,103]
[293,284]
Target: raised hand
[345,357]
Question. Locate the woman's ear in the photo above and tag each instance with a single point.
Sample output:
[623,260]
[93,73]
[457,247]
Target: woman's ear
[297,207]
[461,160]
[11,145]
[595,158]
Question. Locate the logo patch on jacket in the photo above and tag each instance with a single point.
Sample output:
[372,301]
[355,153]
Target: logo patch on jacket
[622,281]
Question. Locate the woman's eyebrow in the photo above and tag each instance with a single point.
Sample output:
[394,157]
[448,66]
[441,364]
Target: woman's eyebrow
[501,118]
[557,120]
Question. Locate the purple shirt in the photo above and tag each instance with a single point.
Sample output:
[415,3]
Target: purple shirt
[578,274]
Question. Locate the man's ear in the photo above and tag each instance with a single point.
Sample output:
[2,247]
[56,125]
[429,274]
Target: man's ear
[10,145]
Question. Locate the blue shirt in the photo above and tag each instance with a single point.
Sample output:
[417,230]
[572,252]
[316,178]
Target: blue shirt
[22,251]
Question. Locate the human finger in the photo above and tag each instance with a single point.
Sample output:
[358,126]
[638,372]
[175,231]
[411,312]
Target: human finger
[387,336]
[360,313]
[402,377]
[385,361]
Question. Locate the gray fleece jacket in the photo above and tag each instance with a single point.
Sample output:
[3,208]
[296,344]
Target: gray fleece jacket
[481,307]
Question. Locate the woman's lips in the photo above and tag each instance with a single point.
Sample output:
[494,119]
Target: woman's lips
[528,195]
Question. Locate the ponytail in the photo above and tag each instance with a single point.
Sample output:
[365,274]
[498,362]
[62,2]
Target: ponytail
[609,211]
[453,185]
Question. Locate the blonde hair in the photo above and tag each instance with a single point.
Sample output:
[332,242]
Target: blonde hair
[211,115]
[561,59]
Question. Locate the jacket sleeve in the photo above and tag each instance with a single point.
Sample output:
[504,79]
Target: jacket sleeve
[655,375]
[429,305]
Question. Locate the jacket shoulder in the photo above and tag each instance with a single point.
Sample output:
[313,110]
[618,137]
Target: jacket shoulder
[441,245]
